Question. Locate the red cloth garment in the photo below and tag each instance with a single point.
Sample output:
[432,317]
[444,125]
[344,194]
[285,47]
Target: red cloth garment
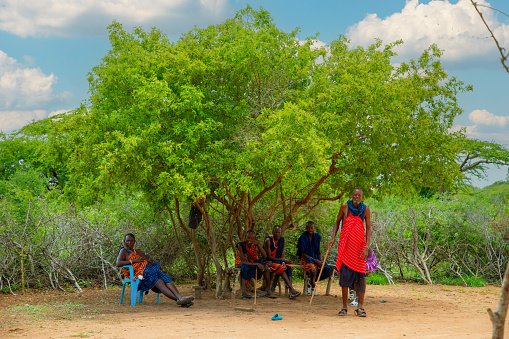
[252,250]
[305,265]
[138,267]
[276,268]
[352,242]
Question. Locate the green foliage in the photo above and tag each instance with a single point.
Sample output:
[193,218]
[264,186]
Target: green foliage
[377,279]
[470,281]
[475,281]
[498,190]
[24,182]
[237,107]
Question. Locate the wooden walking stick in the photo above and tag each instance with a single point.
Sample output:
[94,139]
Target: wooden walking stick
[256,278]
[319,275]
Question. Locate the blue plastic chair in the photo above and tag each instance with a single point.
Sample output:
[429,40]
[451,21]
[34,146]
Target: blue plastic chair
[135,294]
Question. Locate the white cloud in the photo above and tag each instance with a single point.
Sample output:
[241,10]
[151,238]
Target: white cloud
[474,132]
[483,117]
[22,87]
[25,93]
[455,28]
[91,17]
[12,120]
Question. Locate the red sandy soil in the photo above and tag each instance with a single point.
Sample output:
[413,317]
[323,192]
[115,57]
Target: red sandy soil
[408,310]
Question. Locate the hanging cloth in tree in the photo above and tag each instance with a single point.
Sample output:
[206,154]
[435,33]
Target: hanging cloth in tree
[195,216]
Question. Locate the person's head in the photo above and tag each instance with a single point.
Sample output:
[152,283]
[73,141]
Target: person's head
[129,240]
[276,232]
[357,196]
[250,237]
[310,227]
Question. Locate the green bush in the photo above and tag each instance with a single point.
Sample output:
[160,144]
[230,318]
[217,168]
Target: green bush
[377,279]
[470,280]
[475,281]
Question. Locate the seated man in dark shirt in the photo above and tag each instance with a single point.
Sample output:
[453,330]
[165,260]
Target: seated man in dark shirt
[310,253]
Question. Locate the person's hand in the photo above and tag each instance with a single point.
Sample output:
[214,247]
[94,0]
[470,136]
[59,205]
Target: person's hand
[260,267]
[318,263]
[287,261]
[140,259]
[331,242]
[365,253]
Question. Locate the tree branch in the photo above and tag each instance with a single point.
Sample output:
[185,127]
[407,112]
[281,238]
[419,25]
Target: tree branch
[503,58]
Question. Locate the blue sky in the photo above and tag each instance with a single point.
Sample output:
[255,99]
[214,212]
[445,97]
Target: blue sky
[47,47]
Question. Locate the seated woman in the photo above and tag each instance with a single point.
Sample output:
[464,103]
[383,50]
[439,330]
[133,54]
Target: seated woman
[149,273]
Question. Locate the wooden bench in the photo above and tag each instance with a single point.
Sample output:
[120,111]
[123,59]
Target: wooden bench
[233,272]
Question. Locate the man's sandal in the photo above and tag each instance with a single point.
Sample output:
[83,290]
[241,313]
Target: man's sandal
[294,295]
[343,312]
[360,312]
[184,301]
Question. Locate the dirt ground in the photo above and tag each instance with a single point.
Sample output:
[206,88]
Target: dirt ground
[397,311]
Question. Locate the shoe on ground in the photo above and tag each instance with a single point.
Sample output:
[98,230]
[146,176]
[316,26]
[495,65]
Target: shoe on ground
[276,317]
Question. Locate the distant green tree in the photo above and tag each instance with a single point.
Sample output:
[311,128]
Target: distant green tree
[475,156]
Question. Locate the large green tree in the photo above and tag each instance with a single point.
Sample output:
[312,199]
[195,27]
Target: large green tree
[242,105]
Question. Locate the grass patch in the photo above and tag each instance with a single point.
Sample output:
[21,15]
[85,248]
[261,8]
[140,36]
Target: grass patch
[470,280]
[28,309]
[377,279]
[475,281]
[45,308]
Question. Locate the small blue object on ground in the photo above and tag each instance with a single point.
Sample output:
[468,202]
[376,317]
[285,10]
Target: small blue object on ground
[276,317]
[383,301]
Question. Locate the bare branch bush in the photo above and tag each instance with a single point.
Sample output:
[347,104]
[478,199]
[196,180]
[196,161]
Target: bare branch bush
[59,249]
[442,237]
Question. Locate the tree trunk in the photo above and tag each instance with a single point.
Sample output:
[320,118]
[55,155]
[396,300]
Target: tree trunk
[498,317]
[211,239]
[197,250]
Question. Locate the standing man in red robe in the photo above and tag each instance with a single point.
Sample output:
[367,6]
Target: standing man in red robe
[353,248]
